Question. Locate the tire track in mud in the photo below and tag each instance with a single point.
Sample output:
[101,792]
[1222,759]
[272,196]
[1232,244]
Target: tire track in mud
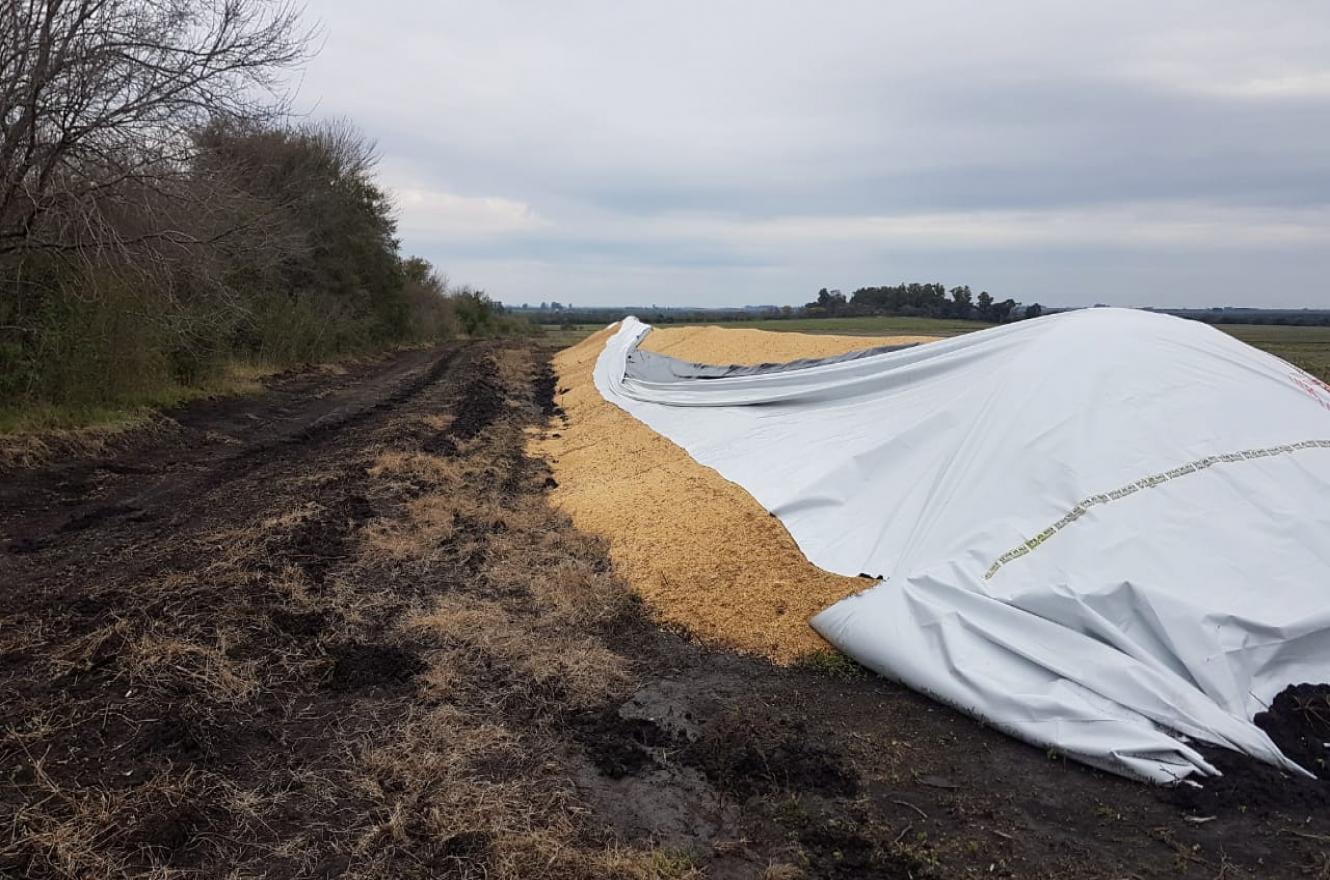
[171,494]
[209,652]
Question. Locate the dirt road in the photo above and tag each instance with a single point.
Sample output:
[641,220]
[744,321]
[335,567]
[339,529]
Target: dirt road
[336,630]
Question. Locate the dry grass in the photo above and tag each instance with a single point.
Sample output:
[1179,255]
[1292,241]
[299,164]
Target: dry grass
[438,782]
[520,642]
[454,561]
[435,470]
[157,659]
[33,441]
[513,367]
[431,520]
[70,828]
[31,433]
[542,588]
[538,652]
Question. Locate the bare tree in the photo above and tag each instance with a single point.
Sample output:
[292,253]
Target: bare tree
[99,100]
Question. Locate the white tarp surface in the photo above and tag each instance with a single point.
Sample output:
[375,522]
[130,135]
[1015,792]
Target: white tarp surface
[1104,531]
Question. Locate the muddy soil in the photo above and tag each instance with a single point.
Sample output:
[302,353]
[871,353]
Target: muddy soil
[335,630]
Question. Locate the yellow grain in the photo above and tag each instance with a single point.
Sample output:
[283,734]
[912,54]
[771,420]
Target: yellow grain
[701,551]
[738,345]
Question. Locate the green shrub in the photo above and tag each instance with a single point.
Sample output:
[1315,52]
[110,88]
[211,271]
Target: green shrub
[308,270]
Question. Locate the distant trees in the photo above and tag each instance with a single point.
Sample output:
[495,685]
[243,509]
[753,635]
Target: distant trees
[924,300]
[1284,317]
[962,302]
[984,306]
[474,310]
[828,302]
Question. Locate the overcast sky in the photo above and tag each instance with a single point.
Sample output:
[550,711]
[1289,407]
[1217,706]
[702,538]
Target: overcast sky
[725,153]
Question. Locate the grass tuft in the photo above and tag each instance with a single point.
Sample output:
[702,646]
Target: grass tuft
[830,663]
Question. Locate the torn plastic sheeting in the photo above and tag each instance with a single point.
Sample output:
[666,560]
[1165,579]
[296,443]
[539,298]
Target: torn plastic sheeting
[1102,531]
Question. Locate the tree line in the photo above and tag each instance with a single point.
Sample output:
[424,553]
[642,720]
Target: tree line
[162,216]
[1275,317]
[919,300]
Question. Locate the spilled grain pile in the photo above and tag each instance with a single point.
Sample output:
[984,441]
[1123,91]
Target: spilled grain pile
[701,551]
[724,345]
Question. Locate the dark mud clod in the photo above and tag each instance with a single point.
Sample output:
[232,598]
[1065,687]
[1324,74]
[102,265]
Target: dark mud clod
[544,387]
[169,829]
[321,541]
[1298,721]
[369,665]
[98,515]
[620,746]
[481,403]
[301,625]
[757,755]
[170,736]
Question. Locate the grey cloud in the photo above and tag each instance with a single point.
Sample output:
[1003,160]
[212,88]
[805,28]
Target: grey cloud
[602,252]
[615,124]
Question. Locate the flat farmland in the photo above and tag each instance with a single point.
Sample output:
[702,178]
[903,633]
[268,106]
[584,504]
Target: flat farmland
[1307,347]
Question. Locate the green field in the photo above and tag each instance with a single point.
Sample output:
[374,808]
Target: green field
[566,334]
[1308,347]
